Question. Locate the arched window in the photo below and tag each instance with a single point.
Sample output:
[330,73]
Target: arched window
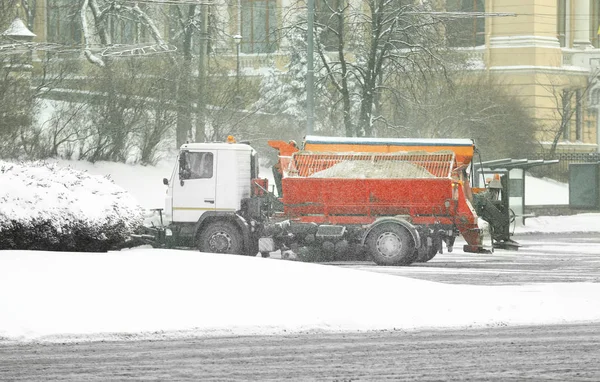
[561,22]
[465,31]
[63,25]
[125,30]
[595,98]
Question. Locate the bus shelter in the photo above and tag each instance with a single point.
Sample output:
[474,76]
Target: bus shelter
[512,178]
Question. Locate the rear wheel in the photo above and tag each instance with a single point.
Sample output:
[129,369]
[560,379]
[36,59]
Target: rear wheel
[425,254]
[220,237]
[391,244]
[252,248]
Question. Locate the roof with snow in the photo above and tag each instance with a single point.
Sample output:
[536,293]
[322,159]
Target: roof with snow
[391,141]
[18,29]
[509,163]
[216,146]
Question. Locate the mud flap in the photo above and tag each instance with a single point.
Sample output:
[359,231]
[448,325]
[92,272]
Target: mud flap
[486,244]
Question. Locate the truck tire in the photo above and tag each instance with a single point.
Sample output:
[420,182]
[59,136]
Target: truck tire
[220,237]
[391,244]
[252,248]
[425,254]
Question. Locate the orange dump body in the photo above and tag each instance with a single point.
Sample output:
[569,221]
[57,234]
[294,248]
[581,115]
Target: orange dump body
[425,188]
[362,201]
[345,201]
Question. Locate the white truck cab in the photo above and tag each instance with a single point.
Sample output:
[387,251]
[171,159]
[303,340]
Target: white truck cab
[209,177]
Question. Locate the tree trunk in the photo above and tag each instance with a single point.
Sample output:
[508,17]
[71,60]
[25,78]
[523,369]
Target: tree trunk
[200,135]
[184,107]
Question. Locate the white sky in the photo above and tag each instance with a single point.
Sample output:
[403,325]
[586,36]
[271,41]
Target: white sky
[150,293]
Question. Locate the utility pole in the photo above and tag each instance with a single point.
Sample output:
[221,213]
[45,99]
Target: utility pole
[310,72]
[238,40]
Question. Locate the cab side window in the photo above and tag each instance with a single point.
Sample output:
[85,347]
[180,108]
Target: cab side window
[200,165]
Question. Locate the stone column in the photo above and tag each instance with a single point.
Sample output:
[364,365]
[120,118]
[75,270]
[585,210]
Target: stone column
[581,24]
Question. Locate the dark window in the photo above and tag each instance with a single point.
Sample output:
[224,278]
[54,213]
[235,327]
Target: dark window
[123,31]
[126,28]
[466,30]
[561,22]
[327,22]
[579,115]
[595,97]
[63,23]
[595,23]
[567,95]
[259,25]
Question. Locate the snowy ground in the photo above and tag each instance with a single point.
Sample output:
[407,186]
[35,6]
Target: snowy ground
[147,293]
[151,293]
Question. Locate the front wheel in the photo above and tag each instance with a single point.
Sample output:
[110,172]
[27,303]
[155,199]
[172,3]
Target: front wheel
[391,244]
[221,237]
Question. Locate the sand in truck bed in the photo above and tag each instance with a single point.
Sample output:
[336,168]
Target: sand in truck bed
[366,169]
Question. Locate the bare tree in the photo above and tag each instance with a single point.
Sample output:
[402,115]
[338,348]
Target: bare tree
[9,9]
[17,98]
[364,45]
[187,19]
[189,31]
[463,104]
[569,103]
[16,109]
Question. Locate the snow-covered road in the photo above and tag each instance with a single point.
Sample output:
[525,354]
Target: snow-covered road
[151,292]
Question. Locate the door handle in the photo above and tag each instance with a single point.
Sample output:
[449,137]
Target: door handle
[211,201]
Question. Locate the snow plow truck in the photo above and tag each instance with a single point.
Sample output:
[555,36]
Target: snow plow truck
[395,201]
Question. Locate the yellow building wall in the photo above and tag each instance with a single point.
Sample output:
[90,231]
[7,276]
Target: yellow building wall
[524,53]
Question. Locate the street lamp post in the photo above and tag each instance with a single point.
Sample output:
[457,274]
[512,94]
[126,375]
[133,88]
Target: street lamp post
[238,40]
[310,71]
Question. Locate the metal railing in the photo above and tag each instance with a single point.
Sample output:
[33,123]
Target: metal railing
[369,165]
[560,170]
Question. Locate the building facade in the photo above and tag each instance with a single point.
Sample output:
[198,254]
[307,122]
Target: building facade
[546,51]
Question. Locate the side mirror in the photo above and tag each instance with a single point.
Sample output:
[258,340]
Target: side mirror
[165,181]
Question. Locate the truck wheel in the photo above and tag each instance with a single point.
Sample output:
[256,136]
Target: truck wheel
[252,248]
[426,254]
[391,244]
[220,237]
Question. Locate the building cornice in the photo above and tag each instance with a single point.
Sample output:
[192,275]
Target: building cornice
[511,42]
[524,69]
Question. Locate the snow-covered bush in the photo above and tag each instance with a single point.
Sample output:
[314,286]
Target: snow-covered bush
[47,207]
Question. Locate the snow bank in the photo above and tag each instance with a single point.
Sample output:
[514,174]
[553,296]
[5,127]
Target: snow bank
[144,183]
[44,206]
[150,293]
[561,224]
[545,191]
